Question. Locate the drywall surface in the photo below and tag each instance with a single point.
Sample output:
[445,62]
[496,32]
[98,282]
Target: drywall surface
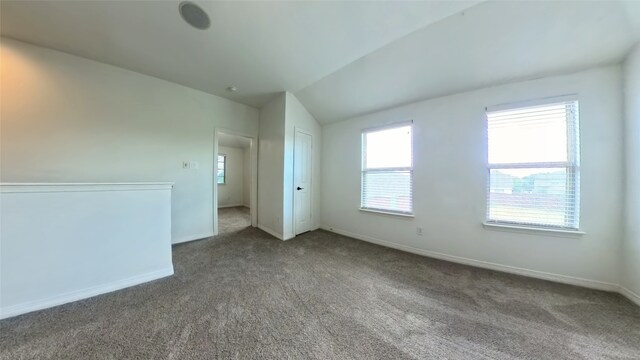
[62,243]
[494,42]
[631,250]
[271,165]
[297,117]
[232,192]
[279,120]
[68,119]
[246,179]
[450,182]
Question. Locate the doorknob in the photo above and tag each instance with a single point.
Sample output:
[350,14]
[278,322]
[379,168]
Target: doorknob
[299,188]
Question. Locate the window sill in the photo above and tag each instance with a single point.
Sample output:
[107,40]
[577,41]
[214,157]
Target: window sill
[532,229]
[382,212]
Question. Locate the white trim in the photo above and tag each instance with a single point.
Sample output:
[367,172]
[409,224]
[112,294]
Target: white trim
[188,238]
[635,298]
[24,308]
[588,283]
[386,126]
[551,100]
[531,229]
[271,232]
[384,212]
[82,187]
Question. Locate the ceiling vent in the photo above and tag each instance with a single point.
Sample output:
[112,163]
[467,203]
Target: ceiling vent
[194,15]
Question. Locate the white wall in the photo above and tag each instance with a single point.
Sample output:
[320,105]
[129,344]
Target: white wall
[450,182]
[271,165]
[278,121]
[68,119]
[61,243]
[232,193]
[246,180]
[631,251]
[297,117]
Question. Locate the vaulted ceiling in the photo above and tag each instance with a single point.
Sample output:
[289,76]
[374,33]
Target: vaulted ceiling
[341,59]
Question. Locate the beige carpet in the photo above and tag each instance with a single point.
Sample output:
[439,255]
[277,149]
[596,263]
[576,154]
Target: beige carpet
[246,295]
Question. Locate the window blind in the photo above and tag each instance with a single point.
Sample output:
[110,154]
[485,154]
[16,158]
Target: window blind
[387,169]
[222,169]
[533,164]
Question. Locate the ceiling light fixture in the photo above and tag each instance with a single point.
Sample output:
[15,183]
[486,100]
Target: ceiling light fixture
[194,15]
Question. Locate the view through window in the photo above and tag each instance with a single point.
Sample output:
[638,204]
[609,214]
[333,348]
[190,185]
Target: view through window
[533,164]
[387,169]
[222,169]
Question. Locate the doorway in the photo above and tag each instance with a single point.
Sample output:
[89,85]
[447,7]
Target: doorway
[234,182]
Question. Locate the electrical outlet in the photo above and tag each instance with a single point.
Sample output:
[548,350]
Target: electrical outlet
[419,231]
[185,164]
[193,165]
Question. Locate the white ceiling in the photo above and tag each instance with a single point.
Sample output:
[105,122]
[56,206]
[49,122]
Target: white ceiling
[233,141]
[491,43]
[341,59]
[262,48]
[632,8]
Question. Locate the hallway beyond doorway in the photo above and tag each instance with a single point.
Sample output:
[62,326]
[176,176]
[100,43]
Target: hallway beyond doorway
[233,219]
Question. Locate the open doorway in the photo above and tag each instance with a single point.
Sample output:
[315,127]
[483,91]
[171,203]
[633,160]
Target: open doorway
[234,182]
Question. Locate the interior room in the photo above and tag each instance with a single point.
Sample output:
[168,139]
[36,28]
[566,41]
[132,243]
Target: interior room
[319,180]
[233,179]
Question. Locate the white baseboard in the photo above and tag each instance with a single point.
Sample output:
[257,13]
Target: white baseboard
[24,308]
[588,283]
[270,231]
[183,239]
[635,298]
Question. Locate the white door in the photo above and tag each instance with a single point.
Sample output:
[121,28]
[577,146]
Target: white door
[302,181]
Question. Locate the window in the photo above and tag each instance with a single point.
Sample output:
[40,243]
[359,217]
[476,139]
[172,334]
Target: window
[222,169]
[387,169]
[533,164]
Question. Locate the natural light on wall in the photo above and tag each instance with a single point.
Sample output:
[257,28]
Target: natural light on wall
[533,164]
[387,169]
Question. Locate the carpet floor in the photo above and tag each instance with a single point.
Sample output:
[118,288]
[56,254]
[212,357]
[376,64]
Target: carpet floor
[233,219]
[246,295]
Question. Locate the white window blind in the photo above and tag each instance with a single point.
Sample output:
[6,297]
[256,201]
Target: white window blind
[387,169]
[533,164]
[221,176]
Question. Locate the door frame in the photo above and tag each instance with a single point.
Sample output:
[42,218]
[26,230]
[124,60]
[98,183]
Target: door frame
[253,189]
[293,188]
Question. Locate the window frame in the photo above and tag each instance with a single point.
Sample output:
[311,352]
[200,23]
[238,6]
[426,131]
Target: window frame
[224,169]
[364,170]
[571,166]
